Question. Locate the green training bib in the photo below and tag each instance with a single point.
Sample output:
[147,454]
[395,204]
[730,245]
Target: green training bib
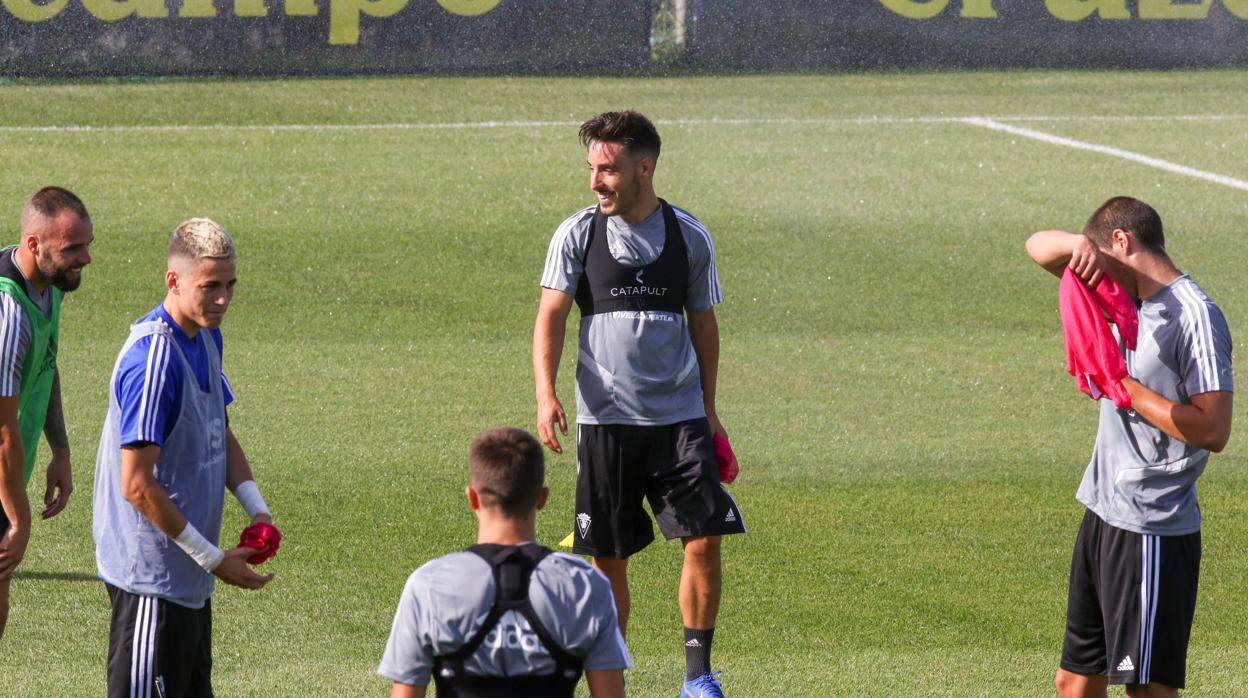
[38,369]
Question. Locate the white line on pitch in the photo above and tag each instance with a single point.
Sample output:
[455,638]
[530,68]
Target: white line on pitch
[285,127]
[1107,150]
[462,125]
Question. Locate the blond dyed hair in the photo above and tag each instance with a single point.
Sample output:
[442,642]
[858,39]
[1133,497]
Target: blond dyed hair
[201,238]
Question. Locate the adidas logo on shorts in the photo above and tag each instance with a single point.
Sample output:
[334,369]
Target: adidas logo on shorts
[1125,664]
[731,517]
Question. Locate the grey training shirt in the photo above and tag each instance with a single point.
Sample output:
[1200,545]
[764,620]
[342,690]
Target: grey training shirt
[446,600]
[1140,478]
[635,367]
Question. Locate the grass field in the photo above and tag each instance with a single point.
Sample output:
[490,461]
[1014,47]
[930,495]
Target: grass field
[892,369]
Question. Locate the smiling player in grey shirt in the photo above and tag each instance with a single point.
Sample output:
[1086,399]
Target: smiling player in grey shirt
[635,367]
[1136,565]
[642,275]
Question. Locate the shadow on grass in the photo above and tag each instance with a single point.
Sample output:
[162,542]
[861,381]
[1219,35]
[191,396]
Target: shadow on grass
[56,576]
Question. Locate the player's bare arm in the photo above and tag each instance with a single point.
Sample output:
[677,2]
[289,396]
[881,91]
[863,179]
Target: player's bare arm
[60,472]
[12,489]
[548,335]
[1054,250]
[149,498]
[402,690]
[238,471]
[704,335]
[1205,423]
[605,684]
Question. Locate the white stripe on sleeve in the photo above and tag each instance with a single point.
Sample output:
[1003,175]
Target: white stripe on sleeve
[558,247]
[1200,329]
[715,293]
[153,385]
[14,340]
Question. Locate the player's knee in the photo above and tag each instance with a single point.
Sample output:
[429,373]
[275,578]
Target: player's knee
[613,567]
[1066,683]
[702,546]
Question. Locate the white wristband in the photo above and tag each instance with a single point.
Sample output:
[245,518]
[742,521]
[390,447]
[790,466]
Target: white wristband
[205,554]
[249,496]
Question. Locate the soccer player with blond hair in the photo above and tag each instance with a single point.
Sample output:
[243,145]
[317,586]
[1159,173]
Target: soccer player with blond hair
[166,456]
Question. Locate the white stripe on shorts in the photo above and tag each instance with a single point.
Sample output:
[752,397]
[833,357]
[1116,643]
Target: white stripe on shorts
[1150,570]
[143,651]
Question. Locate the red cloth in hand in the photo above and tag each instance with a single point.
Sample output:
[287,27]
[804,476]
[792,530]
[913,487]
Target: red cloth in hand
[728,467]
[1092,353]
[263,536]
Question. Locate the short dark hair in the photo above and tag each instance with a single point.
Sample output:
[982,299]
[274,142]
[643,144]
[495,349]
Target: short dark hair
[1131,215]
[49,202]
[629,128]
[506,468]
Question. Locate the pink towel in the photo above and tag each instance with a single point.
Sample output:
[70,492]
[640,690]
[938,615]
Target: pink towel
[1092,353]
[263,537]
[728,467]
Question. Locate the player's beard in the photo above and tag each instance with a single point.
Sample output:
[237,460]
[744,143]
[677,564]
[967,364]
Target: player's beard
[626,198]
[57,276]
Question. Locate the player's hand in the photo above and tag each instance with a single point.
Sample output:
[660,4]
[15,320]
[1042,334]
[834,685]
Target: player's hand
[60,484]
[1085,261]
[12,550]
[549,413]
[716,427]
[234,570]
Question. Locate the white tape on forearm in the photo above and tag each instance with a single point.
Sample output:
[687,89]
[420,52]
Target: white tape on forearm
[204,554]
[249,496]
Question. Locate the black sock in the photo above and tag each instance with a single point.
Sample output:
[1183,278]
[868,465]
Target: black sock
[697,652]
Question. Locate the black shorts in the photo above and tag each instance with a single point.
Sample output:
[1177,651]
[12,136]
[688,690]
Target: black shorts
[157,648]
[673,466]
[4,523]
[1132,598]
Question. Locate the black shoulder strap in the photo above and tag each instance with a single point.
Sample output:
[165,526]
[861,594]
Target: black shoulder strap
[9,270]
[513,567]
[673,240]
[511,575]
[598,226]
[584,294]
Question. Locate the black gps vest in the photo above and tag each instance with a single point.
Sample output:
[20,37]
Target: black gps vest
[9,270]
[512,566]
[607,286]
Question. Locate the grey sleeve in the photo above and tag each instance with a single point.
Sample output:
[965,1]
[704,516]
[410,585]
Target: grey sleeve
[608,650]
[1205,360]
[565,257]
[408,658]
[14,341]
[704,290]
